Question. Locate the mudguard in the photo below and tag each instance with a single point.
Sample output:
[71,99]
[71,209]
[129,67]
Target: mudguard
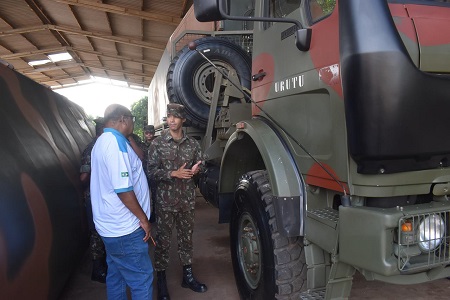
[259,146]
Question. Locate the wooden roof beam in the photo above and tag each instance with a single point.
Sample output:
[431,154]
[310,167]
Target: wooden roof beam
[164,19]
[185,7]
[34,52]
[66,66]
[98,35]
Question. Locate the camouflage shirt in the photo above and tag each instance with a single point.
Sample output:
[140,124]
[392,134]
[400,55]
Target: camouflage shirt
[166,155]
[139,142]
[86,166]
[144,149]
[86,157]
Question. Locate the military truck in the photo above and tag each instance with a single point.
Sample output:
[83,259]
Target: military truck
[325,125]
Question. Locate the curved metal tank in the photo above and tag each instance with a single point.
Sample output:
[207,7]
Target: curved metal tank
[43,228]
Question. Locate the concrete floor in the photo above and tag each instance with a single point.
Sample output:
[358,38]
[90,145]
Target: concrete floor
[212,266]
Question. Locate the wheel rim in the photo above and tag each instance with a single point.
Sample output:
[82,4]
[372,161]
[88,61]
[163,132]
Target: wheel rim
[204,80]
[249,253]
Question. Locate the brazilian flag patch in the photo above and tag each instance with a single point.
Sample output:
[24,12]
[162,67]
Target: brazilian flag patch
[124,174]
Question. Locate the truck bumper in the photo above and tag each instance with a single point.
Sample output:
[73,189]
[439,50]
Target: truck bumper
[371,241]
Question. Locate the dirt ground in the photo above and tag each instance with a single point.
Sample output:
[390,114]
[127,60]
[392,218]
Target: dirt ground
[212,266]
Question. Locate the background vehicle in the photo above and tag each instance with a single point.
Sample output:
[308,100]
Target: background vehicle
[339,162]
[43,226]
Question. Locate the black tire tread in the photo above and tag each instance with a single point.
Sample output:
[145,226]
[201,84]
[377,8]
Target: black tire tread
[290,262]
[193,119]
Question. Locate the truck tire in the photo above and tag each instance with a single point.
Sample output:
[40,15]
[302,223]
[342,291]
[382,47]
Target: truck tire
[190,78]
[266,265]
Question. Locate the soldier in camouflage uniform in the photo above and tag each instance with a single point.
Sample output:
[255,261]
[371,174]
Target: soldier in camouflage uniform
[173,160]
[139,147]
[149,136]
[96,246]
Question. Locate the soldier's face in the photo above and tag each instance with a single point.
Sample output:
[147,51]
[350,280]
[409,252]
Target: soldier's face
[148,135]
[174,123]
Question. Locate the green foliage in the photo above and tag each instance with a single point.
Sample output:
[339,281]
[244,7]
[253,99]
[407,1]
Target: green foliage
[327,5]
[140,110]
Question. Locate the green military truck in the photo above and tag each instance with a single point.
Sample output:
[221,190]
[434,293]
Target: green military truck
[325,125]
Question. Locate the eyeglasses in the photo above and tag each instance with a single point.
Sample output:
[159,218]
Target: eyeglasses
[133,118]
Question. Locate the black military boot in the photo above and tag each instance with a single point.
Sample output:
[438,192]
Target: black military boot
[163,293]
[99,270]
[190,282]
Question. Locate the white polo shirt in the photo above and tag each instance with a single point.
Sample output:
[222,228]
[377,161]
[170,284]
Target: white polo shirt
[116,168]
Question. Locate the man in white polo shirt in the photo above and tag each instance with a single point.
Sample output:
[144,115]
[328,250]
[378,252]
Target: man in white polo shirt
[121,207]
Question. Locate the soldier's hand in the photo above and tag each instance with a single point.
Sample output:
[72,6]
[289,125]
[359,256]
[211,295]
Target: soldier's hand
[195,169]
[183,173]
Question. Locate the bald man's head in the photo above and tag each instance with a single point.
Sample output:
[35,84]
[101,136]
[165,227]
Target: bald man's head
[119,117]
[115,111]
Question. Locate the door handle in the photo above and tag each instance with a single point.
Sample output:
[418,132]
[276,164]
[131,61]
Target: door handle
[258,77]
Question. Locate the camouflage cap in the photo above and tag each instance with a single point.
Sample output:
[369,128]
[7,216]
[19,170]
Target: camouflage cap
[149,128]
[176,110]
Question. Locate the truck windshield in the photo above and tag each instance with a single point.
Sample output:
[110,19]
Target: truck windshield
[319,9]
[424,2]
[282,8]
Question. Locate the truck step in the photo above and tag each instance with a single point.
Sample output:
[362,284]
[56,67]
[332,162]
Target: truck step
[326,215]
[325,221]
[313,295]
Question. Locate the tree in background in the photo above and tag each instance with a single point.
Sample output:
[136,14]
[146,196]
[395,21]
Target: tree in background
[327,5]
[140,110]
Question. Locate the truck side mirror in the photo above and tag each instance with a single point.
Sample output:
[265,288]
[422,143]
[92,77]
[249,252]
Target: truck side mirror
[303,39]
[215,10]
[211,10]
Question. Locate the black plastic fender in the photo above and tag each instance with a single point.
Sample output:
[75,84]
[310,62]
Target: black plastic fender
[258,146]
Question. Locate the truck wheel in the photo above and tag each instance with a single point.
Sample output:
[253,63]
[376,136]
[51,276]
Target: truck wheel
[190,78]
[266,265]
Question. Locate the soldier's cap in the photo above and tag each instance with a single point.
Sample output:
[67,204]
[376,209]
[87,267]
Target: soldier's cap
[149,128]
[176,110]
[99,120]
[114,111]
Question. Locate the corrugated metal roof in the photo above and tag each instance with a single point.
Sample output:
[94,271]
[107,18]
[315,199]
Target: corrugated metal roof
[116,39]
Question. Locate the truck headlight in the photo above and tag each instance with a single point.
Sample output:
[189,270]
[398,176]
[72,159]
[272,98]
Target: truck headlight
[431,233]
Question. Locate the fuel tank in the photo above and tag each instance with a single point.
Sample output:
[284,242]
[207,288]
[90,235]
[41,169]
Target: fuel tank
[43,227]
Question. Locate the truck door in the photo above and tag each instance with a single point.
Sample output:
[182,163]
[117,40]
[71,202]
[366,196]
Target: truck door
[301,89]
[274,51]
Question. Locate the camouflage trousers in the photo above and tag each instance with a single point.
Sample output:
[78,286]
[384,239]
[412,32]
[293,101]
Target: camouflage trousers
[184,223]
[96,246]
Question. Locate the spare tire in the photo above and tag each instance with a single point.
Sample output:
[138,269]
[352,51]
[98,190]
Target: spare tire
[190,78]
